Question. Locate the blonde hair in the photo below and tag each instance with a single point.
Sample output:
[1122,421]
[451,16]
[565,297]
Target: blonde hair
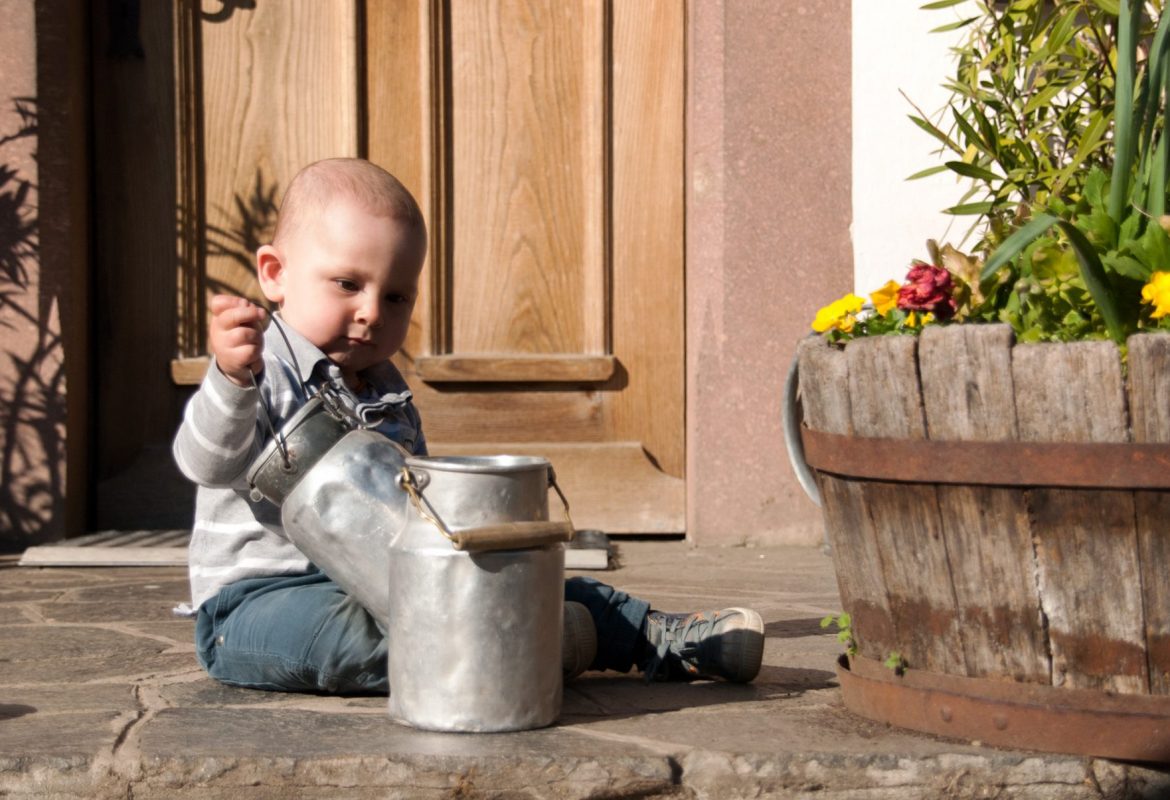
[317,185]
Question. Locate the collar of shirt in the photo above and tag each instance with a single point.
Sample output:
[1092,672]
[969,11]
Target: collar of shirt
[314,367]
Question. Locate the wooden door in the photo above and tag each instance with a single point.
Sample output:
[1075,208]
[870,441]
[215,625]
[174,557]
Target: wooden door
[544,141]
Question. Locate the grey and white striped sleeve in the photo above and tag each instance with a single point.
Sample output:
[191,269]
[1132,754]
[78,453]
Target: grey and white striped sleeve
[218,437]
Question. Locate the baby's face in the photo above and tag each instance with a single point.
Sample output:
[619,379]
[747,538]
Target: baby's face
[348,282]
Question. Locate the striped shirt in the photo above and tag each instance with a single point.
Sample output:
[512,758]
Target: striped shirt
[222,433]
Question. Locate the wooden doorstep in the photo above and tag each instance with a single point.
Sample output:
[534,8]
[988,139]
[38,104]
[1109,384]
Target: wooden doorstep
[465,369]
[516,368]
[66,556]
[189,371]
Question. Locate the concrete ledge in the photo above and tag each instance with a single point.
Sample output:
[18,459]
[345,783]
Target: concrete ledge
[100,696]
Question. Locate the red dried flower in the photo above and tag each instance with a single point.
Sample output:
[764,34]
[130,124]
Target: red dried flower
[929,289]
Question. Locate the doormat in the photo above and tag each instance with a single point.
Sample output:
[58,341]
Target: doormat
[165,548]
[590,549]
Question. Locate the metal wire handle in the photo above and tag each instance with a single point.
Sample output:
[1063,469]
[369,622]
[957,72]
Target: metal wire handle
[409,484]
[264,412]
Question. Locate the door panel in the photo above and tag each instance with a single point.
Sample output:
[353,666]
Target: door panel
[526,258]
[550,168]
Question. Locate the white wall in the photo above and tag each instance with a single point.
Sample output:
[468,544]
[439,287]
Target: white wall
[893,218]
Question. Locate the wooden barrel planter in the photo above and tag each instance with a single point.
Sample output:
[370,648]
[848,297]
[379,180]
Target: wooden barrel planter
[999,515]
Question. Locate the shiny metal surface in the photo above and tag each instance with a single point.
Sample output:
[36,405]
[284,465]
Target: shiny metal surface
[346,511]
[475,638]
[307,436]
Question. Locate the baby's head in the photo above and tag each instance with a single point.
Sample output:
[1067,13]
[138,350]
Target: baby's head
[344,262]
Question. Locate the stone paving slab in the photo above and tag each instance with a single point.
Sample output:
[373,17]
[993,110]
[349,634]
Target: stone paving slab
[100,696]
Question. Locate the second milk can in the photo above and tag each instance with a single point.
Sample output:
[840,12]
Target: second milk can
[476,596]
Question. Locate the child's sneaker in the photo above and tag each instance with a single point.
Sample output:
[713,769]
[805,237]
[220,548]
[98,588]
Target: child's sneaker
[726,644]
[579,644]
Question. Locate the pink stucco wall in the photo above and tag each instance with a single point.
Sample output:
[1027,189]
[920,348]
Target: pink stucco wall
[767,244]
[42,283]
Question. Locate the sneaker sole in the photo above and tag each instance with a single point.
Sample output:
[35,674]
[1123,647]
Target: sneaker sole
[579,644]
[743,645]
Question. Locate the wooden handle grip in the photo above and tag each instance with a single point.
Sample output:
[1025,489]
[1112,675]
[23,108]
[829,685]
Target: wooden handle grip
[512,536]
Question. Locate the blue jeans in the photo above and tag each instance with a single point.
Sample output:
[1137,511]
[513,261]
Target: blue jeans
[304,633]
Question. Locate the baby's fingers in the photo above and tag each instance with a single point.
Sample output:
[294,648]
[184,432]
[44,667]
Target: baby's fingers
[232,312]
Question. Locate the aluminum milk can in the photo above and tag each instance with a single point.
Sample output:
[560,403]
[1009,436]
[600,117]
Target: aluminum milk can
[338,496]
[476,581]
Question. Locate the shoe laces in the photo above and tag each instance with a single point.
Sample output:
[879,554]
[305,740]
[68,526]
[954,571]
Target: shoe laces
[678,643]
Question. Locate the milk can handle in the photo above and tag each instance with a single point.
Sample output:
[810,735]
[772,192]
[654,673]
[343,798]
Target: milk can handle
[501,536]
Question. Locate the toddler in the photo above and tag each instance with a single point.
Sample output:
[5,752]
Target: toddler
[343,270]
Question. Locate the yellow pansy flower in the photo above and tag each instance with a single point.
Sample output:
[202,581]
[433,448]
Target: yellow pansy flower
[885,299]
[1157,294]
[913,320]
[838,314]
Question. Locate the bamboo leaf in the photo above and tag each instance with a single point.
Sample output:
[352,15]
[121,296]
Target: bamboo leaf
[954,26]
[1043,98]
[1014,245]
[1096,281]
[941,4]
[987,130]
[971,171]
[969,208]
[1062,31]
[926,173]
[969,131]
[935,132]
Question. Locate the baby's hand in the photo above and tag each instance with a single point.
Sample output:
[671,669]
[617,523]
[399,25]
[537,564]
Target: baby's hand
[236,337]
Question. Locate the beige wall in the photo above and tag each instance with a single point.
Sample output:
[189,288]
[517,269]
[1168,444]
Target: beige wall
[767,244]
[42,288]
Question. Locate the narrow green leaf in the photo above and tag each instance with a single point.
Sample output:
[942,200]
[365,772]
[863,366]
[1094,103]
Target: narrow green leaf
[1123,107]
[934,131]
[1089,141]
[965,209]
[987,130]
[926,173]
[1043,98]
[1014,245]
[1146,115]
[941,4]
[1108,6]
[971,171]
[953,26]
[1157,188]
[973,136]
[1062,31]
[1096,281]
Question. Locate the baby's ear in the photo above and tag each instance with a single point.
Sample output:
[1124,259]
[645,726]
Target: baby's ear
[270,270]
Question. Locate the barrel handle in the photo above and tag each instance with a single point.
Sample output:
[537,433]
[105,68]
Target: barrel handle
[500,536]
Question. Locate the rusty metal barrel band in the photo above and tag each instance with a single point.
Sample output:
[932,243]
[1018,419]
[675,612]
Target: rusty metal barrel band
[1008,714]
[1099,465]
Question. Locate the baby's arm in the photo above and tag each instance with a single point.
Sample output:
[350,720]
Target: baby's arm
[218,437]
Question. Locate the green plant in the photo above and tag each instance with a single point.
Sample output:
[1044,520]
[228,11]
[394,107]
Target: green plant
[1059,117]
[844,625]
[895,662]
[1032,100]
[1113,225]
